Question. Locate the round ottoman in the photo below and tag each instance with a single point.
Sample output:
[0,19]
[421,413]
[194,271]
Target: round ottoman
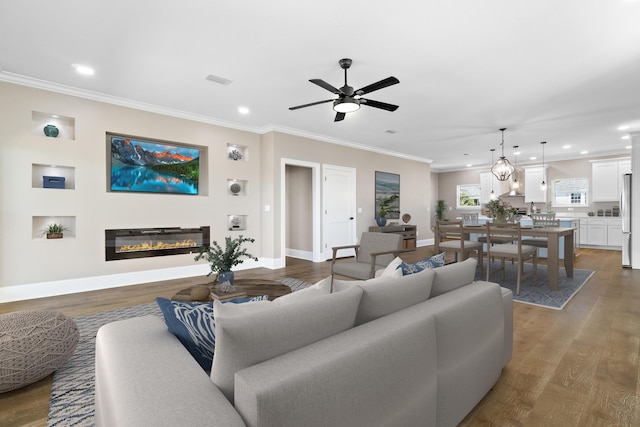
[33,344]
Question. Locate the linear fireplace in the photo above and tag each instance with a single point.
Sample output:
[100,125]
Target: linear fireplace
[148,242]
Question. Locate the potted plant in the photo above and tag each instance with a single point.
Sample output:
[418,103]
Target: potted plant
[500,210]
[386,208]
[221,261]
[441,208]
[54,231]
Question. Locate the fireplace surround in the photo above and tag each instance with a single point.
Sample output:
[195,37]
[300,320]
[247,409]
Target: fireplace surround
[129,243]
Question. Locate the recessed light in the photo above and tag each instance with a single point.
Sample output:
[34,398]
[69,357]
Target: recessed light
[469,165]
[517,153]
[584,152]
[628,147]
[243,110]
[84,69]
[623,127]
[532,158]
[625,137]
[566,146]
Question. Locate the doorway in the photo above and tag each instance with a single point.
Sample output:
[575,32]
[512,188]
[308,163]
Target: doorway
[339,200]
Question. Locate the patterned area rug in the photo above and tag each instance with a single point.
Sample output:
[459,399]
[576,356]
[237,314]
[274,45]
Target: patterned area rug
[72,389]
[540,294]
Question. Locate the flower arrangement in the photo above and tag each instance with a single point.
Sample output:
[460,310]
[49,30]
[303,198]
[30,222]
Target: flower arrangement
[500,209]
[223,260]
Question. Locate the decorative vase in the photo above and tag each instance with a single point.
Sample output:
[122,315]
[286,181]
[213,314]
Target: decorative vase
[51,131]
[225,276]
[500,218]
[381,221]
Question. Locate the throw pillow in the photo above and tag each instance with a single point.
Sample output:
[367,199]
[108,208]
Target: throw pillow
[453,276]
[192,324]
[246,337]
[431,262]
[393,270]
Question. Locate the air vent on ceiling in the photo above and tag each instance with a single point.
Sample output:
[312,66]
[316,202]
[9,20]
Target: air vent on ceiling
[391,131]
[218,79]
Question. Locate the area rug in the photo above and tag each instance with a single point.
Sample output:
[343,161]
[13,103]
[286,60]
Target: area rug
[540,294]
[72,388]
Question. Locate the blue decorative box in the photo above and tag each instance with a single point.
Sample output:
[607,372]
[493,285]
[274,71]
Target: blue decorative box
[53,181]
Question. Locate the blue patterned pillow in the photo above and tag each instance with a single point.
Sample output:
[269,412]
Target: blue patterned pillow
[416,267]
[192,323]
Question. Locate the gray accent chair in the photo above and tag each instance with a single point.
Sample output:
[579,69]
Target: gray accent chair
[375,251]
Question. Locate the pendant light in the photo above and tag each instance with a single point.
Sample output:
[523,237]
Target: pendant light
[492,195]
[543,185]
[516,184]
[502,169]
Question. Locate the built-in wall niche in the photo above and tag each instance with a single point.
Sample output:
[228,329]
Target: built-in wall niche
[237,222]
[237,152]
[53,177]
[53,126]
[236,187]
[40,224]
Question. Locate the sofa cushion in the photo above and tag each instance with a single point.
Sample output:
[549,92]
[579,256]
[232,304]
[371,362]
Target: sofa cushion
[415,267]
[192,323]
[453,276]
[323,287]
[386,295]
[245,336]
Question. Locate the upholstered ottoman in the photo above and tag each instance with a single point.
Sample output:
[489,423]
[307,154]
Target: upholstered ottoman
[33,344]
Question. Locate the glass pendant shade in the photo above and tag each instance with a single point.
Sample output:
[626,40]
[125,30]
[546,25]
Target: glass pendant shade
[502,169]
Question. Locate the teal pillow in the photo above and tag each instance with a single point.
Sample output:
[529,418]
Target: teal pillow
[192,324]
[416,267]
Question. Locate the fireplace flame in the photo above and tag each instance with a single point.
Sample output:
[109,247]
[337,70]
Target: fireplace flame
[151,246]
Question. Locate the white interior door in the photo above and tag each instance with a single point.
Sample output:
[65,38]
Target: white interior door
[339,200]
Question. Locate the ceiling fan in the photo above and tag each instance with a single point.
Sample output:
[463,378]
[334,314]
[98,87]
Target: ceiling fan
[350,100]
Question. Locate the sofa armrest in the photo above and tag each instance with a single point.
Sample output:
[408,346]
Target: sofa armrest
[145,377]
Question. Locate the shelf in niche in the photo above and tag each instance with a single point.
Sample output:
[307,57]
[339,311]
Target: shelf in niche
[237,222]
[39,223]
[53,172]
[237,152]
[236,187]
[66,125]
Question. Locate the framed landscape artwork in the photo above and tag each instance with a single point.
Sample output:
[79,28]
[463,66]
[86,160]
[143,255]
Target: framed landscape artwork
[387,184]
[152,166]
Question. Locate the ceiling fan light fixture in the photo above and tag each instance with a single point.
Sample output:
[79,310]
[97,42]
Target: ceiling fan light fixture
[346,105]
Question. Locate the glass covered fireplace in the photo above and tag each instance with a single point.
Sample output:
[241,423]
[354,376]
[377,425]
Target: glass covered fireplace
[148,242]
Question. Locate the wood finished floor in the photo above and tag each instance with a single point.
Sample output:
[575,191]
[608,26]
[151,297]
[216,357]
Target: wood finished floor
[575,367]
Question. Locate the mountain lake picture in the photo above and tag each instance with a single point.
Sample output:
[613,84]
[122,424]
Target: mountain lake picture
[153,167]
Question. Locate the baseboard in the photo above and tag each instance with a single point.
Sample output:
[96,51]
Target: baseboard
[94,283]
[295,253]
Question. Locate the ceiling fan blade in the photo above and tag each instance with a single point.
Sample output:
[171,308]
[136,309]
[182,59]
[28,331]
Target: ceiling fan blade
[339,117]
[378,85]
[378,104]
[313,103]
[326,86]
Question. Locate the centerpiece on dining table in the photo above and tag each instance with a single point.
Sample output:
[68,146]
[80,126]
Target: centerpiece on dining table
[501,211]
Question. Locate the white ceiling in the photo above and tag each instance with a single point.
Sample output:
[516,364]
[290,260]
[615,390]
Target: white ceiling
[565,72]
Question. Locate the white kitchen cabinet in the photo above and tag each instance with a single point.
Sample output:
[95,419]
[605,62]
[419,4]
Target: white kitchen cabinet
[533,177]
[488,181]
[584,236]
[614,232]
[606,179]
[597,231]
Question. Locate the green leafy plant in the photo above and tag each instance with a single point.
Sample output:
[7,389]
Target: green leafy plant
[387,207]
[441,208]
[54,228]
[500,208]
[223,260]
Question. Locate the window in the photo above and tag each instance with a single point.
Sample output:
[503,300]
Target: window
[570,192]
[468,196]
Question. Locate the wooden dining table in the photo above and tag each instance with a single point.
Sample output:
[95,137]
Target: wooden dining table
[553,235]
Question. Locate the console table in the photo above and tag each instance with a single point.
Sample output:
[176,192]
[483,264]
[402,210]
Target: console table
[408,233]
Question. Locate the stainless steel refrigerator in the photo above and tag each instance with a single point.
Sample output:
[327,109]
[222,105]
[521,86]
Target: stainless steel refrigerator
[625,211]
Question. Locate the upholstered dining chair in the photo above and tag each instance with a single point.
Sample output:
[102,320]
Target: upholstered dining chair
[451,238]
[516,251]
[375,251]
[541,220]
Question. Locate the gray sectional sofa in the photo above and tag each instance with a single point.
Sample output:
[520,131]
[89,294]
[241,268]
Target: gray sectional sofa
[416,350]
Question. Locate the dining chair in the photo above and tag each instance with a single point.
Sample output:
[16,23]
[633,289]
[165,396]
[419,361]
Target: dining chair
[541,220]
[375,251]
[470,219]
[451,238]
[516,251]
